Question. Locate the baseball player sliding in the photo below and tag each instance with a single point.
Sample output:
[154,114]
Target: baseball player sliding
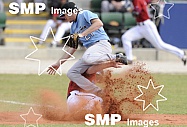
[146,29]
[76,95]
[87,28]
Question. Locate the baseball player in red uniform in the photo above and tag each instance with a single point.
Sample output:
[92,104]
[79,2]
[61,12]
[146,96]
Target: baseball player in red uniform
[146,29]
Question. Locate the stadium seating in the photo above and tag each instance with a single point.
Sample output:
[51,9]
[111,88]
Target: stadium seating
[95,5]
[98,14]
[2,26]
[2,20]
[129,20]
[113,21]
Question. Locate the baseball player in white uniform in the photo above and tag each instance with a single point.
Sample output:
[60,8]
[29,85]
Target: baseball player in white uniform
[62,27]
[58,23]
[146,29]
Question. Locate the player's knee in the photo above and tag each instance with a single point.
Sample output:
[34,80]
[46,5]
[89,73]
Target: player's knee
[124,37]
[50,22]
[125,40]
[70,74]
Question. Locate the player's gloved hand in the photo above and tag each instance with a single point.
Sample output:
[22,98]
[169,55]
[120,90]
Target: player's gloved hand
[73,41]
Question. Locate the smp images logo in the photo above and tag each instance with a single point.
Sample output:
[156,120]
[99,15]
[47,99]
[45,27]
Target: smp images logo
[23,8]
[100,119]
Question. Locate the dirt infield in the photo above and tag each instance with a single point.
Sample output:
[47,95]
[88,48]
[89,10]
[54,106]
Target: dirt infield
[13,118]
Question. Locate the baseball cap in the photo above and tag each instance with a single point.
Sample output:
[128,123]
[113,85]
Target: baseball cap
[68,5]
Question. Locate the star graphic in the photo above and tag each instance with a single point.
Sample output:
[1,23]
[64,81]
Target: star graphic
[30,113]
[37,52]
[162,2]
[154,90]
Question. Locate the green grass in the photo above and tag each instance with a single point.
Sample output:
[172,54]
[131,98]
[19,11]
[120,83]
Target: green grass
[23,88]
[174,90]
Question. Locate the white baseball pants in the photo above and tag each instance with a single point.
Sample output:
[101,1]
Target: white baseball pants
[79,101]
[95,54]
[149,32]
[65,26]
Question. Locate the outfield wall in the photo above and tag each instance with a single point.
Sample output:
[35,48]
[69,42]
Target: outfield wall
[174,30]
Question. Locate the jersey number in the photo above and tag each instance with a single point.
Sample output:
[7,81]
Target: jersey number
[87,37]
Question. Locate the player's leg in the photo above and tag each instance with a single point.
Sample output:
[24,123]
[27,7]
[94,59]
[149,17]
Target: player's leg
[65,26]
[152,35]
[99,52]
[80,104]
[127,38]
[75,75]
[99,67]
[50,23]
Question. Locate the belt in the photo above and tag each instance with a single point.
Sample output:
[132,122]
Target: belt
[140,23]
[95,43]
[99,41]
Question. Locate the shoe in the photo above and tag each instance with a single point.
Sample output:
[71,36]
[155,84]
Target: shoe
[52,45]
[39,45]
[121,58]
[184,59]
[59,45]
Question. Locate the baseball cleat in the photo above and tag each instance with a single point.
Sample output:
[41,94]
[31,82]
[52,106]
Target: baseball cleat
[121,58]
[40,45]
[184,59]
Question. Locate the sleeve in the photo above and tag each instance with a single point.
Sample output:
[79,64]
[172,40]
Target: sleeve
[88,16]
[71,31]
[137,6]
[148,1]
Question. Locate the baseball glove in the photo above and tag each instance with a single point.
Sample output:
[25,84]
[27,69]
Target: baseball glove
[73,41]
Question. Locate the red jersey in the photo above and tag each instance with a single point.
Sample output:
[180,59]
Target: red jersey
[73,86]
[141,7]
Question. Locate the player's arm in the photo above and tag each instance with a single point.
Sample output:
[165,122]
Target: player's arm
[96,24]
[99,67]
[66,56]
[52,69]
[137,8]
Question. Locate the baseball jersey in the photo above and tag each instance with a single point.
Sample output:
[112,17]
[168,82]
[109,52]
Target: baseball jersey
[141,7]
[73,86]
[83,22]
